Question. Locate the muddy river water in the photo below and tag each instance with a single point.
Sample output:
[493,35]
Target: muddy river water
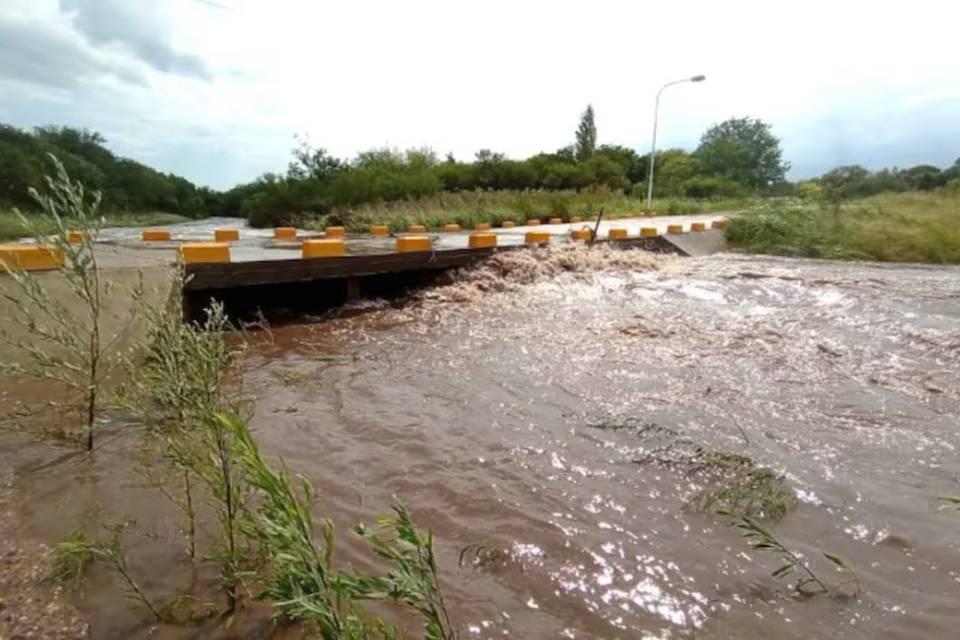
[480,405]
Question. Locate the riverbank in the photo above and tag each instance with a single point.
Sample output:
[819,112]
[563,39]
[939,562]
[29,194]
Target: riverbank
[893,227]
[12,229]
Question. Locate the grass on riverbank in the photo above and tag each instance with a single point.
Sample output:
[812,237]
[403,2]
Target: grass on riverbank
[890,227]
[11,229]
[467,208]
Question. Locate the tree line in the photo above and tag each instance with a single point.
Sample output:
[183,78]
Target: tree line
[737,157]
[126,185]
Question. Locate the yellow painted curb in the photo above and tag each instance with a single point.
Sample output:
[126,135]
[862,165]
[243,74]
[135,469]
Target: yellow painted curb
[335,232]
[508,224]
[284,233]
[478,240]
[379,230]
[556,220]
[537,237]
[580,234]
[532,222]
[675,228]
[451,228]
[698,226]
[416,228]
[648,232]
[323,248]
[618,233]
[76,237]
[413,243]
[575,219]
[481,226]
[226,235]
[31,257]
[719,224]
[155,235]
[201,252]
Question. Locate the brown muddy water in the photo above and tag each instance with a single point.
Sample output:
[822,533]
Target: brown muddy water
[477,405]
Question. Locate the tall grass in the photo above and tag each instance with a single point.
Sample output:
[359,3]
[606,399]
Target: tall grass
[467,208]
[890,227]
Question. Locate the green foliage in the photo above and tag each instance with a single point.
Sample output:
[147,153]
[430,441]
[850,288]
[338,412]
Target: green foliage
[743,150]
[586,135]
[126,185]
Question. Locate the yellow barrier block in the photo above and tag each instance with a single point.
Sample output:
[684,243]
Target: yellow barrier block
[537,237]
[155,235]
[482,226]
[648,232]
[478,240]
[200,252]
[508,224]
[226,235]
[675,228]
[556,220]
[575,219]
[323,248]
[31,257]
[580,234]
[416,228]
[413,243]
[284,233]
[379,230]
[335,232]
[76,237]
[719,224]
[532,222]
[451,228]
[698,226]
[618,233]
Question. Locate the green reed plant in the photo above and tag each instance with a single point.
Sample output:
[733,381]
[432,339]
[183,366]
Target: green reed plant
[807,583]
[300,578]
[177,384]
[62,337]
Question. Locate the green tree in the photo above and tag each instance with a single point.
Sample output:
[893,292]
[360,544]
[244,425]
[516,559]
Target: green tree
[313,162]
[743,150]
[586,135]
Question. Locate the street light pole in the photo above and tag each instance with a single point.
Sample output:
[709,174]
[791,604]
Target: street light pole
[653,144]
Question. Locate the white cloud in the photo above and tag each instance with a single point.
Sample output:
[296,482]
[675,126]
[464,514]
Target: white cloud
[217,94]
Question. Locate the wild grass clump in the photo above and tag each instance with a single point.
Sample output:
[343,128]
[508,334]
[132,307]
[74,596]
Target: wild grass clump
[891,227]
[75,555]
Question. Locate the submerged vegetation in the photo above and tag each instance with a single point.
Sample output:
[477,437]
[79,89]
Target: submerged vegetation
[807,582]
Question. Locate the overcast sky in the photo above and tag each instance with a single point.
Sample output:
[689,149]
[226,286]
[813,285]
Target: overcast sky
[215,91]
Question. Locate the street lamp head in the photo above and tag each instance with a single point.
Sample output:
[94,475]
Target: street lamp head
[698,78]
